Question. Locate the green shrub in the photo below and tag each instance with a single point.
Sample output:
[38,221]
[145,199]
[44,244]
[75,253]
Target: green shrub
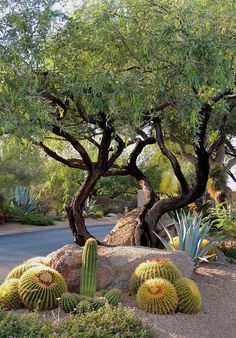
[12,214]
[36,219]
[30,326]
[106,322]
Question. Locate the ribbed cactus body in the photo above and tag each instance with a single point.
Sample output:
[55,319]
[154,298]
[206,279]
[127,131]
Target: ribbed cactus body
[41,287]
[157,296]
[113,297]
[88,280]
[159,268]
[190,299]
[83,307]
[69,301]
[100,293]
[98,302]
[9,294]
[18,271]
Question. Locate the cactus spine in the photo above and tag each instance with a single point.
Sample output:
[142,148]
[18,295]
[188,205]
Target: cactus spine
[98,302]
[18,271]
[88,271]
[159,268]
[9,294]
[69,301]
[190,299]
[113,297]
[41,287]
[157,296]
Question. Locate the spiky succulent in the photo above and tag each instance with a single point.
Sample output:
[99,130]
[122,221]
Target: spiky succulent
[189,295]
[113,297]
[175,243]
[69,301]
[18,271]
[83,307]
[158,296]
[41,287]
[9,295]
[98,302]
[159,268]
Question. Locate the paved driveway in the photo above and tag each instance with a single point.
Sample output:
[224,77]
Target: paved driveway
[16,248]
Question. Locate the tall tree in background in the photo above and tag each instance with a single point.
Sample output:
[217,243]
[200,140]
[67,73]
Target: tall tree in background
[115,74]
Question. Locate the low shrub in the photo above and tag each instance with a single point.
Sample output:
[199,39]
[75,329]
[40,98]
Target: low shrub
[30,326]
[12,214]
[106,322]
[36,219]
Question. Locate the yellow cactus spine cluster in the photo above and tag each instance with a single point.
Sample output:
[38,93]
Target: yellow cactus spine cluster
[190,299]
[157,296]
[159,268]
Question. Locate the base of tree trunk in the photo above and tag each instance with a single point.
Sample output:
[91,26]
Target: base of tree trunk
[124,231]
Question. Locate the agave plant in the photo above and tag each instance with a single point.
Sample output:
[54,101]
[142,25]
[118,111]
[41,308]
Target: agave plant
[24,200]
[192,230]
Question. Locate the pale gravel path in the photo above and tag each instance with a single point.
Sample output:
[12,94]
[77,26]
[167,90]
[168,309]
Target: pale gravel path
[217,318]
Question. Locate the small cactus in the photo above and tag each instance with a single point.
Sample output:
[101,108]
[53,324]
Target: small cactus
[100,293]
[113,297]
[159,268]
[190,299]
[83,307]
[99,302]
[18,271]
[158,296]
[41,287]
[9,295]
[88,270]
[69,301]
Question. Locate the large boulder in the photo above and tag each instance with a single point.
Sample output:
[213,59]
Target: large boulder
[115,264]
[124,231]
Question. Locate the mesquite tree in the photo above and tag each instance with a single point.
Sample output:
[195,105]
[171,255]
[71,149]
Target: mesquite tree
[113,74]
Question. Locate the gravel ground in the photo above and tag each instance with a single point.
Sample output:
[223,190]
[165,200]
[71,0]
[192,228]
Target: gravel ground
[217,318]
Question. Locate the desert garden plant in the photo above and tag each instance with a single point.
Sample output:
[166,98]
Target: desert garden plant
[24,200]
[192,230]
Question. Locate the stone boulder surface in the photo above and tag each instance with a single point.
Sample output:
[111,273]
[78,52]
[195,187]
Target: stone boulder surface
[115,264]
[123,232]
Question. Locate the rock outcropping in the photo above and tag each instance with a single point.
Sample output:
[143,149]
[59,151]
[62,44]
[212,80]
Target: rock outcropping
[115,264]
[124,231]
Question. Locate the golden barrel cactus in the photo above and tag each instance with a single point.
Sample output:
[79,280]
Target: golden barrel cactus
[159,268]
[18,271]
[157,296]
[189,295]
[9,294]
[175,244]
[41,287]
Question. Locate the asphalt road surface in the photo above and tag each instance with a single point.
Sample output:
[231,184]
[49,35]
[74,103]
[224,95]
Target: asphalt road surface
[16,248]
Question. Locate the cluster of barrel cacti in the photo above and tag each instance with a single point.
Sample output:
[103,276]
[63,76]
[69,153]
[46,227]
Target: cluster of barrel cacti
[32,285]
[161,289]
[35,285]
